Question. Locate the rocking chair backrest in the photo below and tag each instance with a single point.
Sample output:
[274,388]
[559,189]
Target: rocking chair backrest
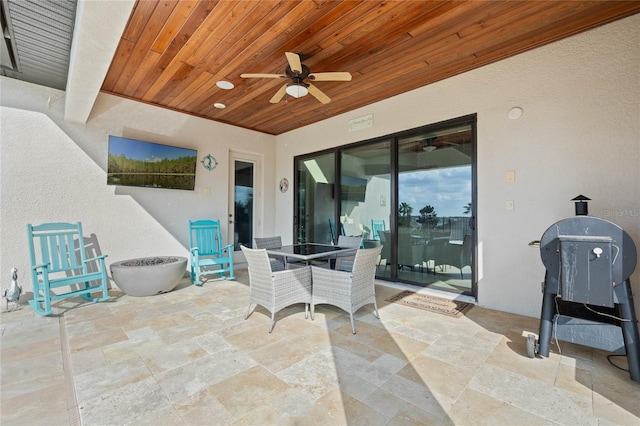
[59,245]
[58,260]
[206,235]
[377,226]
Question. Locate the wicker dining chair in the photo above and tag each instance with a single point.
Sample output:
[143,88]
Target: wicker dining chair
[277,263]
[276,290]
[345,262]
[348,291]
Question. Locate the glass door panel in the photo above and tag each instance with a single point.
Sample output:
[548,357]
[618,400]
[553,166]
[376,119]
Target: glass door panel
[435,209]
[315,208]
[365,195]
[243,204]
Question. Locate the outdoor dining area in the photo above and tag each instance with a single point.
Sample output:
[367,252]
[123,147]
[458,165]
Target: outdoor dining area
[199,353]
[279,275]
[189,357]
[283,275]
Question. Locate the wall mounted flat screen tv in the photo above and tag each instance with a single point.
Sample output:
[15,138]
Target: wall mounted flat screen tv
[151,165]
[352,188]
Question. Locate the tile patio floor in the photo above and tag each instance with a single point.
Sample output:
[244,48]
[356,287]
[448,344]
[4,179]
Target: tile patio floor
[188,357]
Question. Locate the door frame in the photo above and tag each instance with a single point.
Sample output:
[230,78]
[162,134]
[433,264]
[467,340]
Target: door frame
[258,191]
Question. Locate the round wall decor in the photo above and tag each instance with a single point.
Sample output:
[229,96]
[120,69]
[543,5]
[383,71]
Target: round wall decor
[209,162]
[284,185]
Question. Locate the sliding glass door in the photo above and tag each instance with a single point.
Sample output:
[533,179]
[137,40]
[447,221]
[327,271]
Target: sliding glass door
[412,193]
[435,236]
[314,218]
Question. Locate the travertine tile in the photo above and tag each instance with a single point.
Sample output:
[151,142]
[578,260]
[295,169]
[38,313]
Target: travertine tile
[444,380]
[385,403]
[293,404]
[92,340]
[253,387]
[480,409]
[522,392]
[337,408]
[189,357]
[139,398]
[410,415]
[201,408]
[43,405]
[574,380]
[31,368]
[85,361]
[173,356]
[417,394]
[454,350]
[188,379]
[511,354]
[92,384]
[314,375]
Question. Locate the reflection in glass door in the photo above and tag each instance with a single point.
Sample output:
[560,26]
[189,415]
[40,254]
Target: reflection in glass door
[315,210]
[241,220]
[365,191]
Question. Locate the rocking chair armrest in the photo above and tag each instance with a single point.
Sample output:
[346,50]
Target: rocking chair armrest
[40,265]
[228,247]
[194,250]
[101,257]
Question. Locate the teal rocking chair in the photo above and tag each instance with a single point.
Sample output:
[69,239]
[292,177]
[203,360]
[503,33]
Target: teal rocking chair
[208,256]
[377,226]
[58,259]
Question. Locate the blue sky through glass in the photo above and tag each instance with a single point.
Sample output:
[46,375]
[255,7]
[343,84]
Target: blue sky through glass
[447,190]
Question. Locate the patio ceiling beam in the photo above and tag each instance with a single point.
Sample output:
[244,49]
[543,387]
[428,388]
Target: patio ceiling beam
[98,28]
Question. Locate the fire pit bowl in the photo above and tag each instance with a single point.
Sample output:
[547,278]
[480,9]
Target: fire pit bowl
[147,276]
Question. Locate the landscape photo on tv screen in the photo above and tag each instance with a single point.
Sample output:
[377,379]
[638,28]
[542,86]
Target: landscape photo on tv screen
[151,165]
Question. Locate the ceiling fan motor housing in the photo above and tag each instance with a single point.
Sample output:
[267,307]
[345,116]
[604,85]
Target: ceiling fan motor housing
[298,77]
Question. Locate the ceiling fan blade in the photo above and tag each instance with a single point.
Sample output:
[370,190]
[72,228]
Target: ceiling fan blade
[330,76]
[263,76]
[318,94]
[294,62]
[279,94]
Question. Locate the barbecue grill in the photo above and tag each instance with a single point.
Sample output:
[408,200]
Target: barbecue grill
[587,295]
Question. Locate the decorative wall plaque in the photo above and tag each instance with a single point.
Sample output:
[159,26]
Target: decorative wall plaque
[209,162]
[284,185]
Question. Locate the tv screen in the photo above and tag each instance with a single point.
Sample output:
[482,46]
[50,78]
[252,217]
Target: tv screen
[151,165]
[352,188]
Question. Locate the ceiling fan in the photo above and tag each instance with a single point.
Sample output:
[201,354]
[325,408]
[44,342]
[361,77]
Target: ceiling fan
[298,73]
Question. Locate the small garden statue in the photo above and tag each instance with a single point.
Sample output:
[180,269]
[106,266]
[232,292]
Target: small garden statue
[12,294]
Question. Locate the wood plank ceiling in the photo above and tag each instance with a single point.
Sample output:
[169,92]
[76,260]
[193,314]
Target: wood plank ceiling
[173,52]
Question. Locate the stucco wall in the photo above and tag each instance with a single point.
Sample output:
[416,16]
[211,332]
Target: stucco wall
[579,134]
[52,170]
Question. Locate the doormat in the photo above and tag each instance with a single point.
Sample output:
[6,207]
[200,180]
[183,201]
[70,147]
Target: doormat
[451,308]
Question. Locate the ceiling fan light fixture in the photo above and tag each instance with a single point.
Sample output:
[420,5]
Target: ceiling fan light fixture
[297,90]
[428,148]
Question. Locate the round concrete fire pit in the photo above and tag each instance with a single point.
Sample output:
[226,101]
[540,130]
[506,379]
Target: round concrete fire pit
[147,276]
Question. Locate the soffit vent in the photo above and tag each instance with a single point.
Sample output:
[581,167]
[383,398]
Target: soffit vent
[37,40]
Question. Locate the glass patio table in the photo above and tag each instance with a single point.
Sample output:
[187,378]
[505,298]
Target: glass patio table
[310,251]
